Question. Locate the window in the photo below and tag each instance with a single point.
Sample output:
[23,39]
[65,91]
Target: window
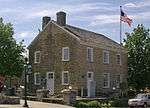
[90,54]
[118,81]
[106,80]
[37,78]
[65,54]
[37,57]
[118,59]
[106,57]
[65,78]
[90,76]
[50,75]
[27,78]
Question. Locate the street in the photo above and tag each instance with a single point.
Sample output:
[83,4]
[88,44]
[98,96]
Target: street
[34,104]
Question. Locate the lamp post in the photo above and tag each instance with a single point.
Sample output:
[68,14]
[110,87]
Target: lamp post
[25,84]
[27,71]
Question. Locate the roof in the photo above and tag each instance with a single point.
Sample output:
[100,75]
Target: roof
[92,38]
[86,37]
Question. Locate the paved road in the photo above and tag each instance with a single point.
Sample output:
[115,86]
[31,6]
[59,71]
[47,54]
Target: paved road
[33,104]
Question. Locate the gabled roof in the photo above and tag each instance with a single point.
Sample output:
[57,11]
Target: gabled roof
[93,39]
[86,37]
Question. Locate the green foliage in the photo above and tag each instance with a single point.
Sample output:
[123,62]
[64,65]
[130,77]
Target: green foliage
[102,103]
[138,46]
[93,104]
[119,103]
[11,59]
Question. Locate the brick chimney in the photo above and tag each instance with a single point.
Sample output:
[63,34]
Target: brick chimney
[61,18]
[45,21]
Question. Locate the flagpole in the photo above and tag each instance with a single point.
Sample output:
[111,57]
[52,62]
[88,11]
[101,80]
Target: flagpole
[120,27]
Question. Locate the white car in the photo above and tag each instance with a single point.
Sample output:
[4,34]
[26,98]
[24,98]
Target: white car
[141,100]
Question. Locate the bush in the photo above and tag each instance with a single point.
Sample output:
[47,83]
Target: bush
[119,103]
[93,104]
[80,104]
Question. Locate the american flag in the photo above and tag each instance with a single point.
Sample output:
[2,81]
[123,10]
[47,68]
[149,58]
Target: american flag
[125,18]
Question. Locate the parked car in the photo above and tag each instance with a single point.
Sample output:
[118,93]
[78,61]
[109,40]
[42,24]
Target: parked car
[141,100]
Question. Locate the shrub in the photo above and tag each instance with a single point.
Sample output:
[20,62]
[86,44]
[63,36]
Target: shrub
[119,103]
[81,104]
[93,104]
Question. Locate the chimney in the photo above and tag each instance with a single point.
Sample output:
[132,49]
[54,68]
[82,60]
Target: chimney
[45,21]
[61,18]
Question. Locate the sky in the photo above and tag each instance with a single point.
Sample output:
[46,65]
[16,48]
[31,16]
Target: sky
[100,16]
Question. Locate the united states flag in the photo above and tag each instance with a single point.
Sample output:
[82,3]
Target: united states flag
[125,18]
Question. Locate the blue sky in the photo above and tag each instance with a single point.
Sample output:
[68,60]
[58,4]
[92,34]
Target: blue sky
[101,16]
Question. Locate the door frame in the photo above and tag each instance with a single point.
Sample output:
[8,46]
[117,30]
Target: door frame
[53,81]
[88,79]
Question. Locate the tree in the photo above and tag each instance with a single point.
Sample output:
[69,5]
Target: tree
[138,46]
[11,58]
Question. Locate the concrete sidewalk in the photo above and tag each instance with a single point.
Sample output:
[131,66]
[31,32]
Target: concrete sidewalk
[35,104]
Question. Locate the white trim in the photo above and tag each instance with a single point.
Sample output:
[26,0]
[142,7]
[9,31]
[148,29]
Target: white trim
[117,59]
[27,78]
[91,57]
[107,52]
[35,80]
[108,77]
[53,81]
[63,56]
[35,56]
[120,78]
[63,78]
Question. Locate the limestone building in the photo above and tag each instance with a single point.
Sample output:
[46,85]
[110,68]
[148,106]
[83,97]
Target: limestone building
[62,55]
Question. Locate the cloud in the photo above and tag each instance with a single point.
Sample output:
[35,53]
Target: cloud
[24,34]
[145,3]
[104,19]
[130,5]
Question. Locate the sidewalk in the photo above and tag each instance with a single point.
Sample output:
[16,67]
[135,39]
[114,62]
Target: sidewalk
[35,104]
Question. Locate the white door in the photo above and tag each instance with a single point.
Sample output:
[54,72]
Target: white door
[90,78]
[50,82]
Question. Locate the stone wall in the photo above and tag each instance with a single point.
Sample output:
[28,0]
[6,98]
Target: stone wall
[50,42]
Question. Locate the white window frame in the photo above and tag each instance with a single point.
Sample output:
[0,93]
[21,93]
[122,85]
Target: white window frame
[91,57]
[35,80]
[63,78]
[108,78]
[117,59]
[120,78]
[105,62]
[35,57]
[27,78]
[63,54]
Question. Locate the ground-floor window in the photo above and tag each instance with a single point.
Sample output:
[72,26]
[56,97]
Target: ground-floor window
[106,80]
[118,81]
[37,78]
[65,78]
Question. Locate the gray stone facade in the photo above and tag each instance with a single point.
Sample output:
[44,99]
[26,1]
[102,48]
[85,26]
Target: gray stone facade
[50,42]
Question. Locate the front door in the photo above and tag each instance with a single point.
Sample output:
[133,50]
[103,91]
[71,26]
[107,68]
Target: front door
[90,81]
[50,82]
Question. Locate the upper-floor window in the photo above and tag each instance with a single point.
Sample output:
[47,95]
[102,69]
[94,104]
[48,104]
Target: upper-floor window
[106,80]
[65,54]
[37,79]
[118,59]
[37,57]
[106,57]
[90,54]
[65,78]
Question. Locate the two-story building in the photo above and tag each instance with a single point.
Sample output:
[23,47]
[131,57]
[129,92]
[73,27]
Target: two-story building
[62,55]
